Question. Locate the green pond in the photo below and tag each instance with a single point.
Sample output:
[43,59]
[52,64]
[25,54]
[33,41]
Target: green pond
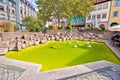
[56,54]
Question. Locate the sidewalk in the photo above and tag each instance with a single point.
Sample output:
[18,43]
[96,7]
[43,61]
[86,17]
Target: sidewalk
[116,50]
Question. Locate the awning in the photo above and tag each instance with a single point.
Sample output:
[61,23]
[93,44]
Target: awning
[115,28]
[79,25]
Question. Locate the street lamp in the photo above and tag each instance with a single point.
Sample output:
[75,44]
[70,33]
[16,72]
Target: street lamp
[8,12]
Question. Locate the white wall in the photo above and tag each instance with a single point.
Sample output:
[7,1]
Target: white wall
[95,12]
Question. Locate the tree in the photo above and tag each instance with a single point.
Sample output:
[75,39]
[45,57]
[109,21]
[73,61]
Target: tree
[63,8]
[33,24]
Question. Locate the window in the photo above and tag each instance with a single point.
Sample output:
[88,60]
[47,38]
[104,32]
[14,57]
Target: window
[115,14]
[117,3]
[13,12]
[21,2]
[94,8]
[89,18]
[98,16]
[24,6]
[10,3]
[21,11]
[93,16]
[104,15]
[99,7]
[105,5]
[13,19]
[2,16]
[25,13]
[13,5]
[9,10]
[1,8]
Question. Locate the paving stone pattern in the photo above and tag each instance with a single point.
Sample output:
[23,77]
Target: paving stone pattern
[107,73]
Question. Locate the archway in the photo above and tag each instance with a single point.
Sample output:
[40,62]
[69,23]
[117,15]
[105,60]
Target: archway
[102,26]
[113,24]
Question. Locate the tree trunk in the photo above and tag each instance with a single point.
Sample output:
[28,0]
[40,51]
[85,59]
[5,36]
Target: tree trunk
[58,19]
[58,13]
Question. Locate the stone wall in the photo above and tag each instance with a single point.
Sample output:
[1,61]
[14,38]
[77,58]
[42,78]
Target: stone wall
[19,40]
[13,35]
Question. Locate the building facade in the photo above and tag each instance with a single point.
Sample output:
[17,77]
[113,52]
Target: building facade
[8,10]
[99,17]
[106,14]
[115,13]
[23,8]
[16,10]
[78,21]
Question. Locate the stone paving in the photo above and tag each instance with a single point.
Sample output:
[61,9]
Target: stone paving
[75,70]
[115,49]
[32,70]
[107,73]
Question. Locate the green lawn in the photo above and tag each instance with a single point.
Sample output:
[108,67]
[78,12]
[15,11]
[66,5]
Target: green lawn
[55,54]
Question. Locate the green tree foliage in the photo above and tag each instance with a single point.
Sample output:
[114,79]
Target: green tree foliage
[63,8]
[15,27]
[33,24]
[69,26]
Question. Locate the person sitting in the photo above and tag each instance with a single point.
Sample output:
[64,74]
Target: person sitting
[115,38]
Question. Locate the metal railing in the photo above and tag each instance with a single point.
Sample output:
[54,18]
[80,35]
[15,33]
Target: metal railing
[107,73]
[8,72]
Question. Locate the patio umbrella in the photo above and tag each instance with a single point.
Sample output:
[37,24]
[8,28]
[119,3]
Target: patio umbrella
[115,28]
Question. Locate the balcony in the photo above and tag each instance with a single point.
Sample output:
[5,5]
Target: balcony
[12,1]
[2,17]
[13,19]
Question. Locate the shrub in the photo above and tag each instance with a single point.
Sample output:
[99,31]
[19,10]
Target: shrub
[97,28]
[68,28]
[102,27]
[62,26]
[87,28]
[15,27]
[24,31]
[55,27]
[50,27]
[7,26]
[33,24]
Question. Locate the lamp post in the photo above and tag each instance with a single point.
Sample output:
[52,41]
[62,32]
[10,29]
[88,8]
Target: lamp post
[8,12]
[7,8]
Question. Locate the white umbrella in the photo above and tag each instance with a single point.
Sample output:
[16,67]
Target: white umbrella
[115,28]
